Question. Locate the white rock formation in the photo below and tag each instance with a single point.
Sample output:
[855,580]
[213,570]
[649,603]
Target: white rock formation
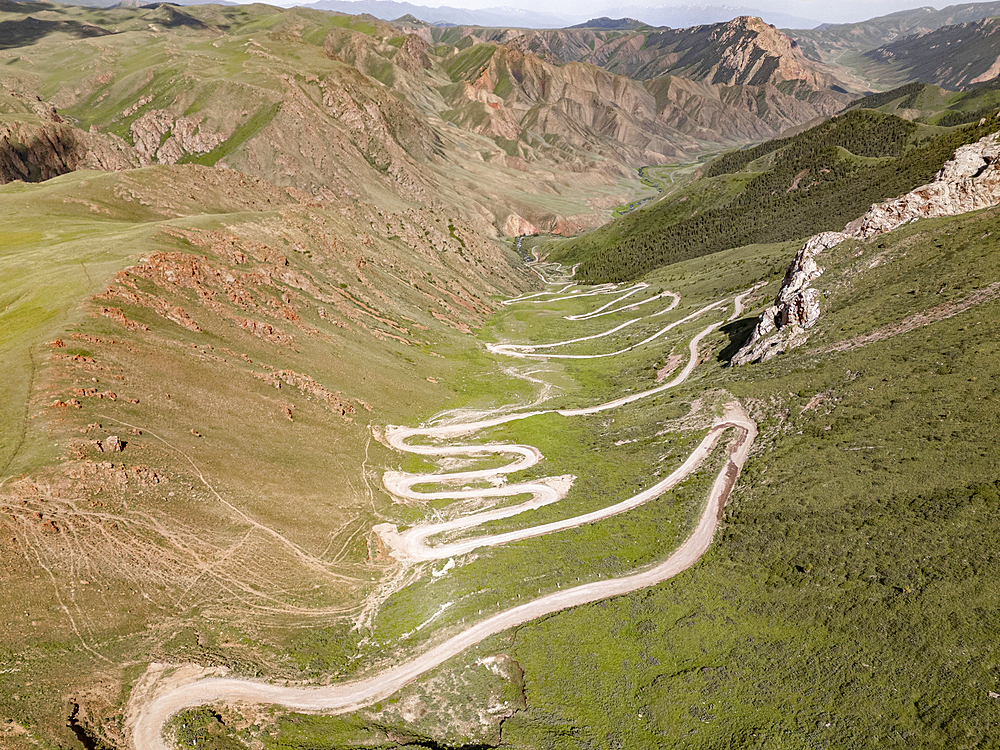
[968,182]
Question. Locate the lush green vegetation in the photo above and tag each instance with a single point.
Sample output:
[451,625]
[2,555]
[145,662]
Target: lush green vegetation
[819,180]
[907,93]
[203,728]
[932,105]
[848,599]
[863,134]
[736,161]
[952,117]
[843,576]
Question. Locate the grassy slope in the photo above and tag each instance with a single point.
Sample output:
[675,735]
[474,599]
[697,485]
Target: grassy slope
[236,518]
[848,599]
[815,181]
[936,106]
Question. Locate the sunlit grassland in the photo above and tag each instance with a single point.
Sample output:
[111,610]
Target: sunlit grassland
[847,600]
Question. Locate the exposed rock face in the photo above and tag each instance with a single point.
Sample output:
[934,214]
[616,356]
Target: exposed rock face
[517,96]
[414,54]
[111,444]
[183,136]
[748,51]
[968,182]
[745,50]
[33,151]
[782,326]
[587,107]
[515,226]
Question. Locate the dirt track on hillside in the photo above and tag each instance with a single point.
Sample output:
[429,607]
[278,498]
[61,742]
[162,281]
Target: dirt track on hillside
[148,719]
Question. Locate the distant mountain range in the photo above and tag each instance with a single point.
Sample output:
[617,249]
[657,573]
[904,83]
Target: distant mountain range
[953,47]
[682,16]
[679,16]
[828,42]
[954,57]
[389,10]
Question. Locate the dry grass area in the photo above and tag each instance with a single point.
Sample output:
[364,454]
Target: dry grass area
[194,477]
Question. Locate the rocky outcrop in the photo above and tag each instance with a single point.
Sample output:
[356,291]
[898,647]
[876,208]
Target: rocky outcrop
[159,137]
[968,182]
[515,226]
[35,150]
[112,444]
[782,326]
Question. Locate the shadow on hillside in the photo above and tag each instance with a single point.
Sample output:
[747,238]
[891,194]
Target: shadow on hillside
[739,333]
[22,6]
[171,18]
[38,158]
[29,30]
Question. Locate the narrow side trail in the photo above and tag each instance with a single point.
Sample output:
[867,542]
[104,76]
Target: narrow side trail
[147,720]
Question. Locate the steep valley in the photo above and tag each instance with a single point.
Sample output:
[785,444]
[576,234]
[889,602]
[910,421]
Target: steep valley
[309,373]
[183,375]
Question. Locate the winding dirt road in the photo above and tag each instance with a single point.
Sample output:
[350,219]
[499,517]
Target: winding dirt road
[150,718]
[411,545]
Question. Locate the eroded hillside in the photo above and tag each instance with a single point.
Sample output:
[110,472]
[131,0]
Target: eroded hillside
[741,80]
[192,357]
[236,243]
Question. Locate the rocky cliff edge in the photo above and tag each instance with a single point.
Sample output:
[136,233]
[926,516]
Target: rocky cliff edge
[968,182]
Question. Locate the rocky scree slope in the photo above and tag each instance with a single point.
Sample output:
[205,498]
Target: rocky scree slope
[744,69]
[955,57]
[968,182]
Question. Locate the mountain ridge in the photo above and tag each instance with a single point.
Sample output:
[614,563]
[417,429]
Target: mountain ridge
[831,42]
[238,244]
[935,56]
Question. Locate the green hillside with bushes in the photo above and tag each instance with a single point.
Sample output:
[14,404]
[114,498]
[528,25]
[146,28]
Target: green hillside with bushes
[792,187]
